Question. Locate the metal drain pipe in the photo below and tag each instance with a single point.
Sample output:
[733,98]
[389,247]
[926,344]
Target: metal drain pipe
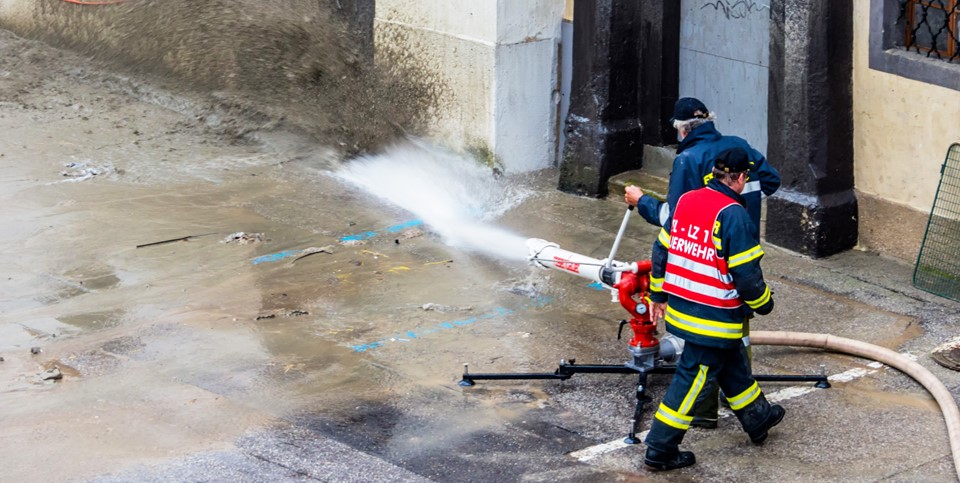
[948,406]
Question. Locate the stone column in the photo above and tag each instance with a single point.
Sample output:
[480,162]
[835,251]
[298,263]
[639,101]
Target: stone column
[659,69]
[811,126]
[603,131]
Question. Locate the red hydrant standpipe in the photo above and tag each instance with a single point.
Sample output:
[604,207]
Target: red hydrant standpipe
[644,346]
[948,406]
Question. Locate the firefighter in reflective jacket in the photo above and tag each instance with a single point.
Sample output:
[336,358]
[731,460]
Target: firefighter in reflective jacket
[700,142]
[706,281]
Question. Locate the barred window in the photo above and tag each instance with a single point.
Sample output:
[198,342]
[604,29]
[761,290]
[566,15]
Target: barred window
[916,39]
[931,28]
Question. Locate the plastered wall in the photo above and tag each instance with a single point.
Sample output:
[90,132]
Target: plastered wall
[902,128]
[494,66]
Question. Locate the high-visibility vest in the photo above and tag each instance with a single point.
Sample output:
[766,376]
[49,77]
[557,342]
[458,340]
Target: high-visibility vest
[694,271]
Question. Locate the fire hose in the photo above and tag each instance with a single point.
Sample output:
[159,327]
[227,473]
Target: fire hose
[948,406]
[630,278]
[82,2]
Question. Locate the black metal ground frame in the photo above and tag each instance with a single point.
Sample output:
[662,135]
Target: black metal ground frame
[564,371]
[820,380]
[567,370]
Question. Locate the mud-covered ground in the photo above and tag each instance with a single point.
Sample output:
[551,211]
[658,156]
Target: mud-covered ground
[296,63]
[175,349]
[213,360]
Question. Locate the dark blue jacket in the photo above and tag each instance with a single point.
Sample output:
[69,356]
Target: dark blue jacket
[693,165]
[742,251]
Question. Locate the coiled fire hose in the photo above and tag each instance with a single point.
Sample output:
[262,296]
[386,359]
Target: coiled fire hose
[948,406]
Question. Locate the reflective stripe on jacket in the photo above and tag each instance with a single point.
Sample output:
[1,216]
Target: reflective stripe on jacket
[734,242]
[694,270]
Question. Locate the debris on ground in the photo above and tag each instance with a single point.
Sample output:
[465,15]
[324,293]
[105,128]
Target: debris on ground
[35,350]
[524,291]
[375,254]
[353,243]
[80,171]
[306,252]
[183,238]
[522,335]
[242,238]
[431,307]
[282,313]
[52,374]
[408,234]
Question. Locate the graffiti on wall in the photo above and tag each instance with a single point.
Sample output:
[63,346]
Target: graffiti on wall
[737,9]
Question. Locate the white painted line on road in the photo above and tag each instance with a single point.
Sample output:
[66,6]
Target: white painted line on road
[850,375]
[791,392]
[594,451]
[784,394]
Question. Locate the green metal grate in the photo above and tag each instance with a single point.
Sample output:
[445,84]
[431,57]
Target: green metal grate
[938,264]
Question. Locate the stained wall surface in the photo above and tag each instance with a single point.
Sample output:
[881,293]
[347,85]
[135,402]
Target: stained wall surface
[724,61]
[494,65]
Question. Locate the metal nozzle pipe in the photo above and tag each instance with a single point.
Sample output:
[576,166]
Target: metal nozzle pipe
[547,254]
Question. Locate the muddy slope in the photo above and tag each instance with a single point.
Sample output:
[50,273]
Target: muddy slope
[304,63]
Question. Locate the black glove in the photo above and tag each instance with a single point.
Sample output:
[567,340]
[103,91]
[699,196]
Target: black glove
[765,308]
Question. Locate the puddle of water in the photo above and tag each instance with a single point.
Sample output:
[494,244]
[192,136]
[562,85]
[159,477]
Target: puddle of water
[866,392]
[95,320]
[909,329]
[65,291]
[454,196]
[101,282]
[29,332]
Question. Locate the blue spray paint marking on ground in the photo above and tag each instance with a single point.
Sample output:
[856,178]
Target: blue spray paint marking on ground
[597,286]
[274,257]
[410,335]
[404,226]
[360,236]
[390,229]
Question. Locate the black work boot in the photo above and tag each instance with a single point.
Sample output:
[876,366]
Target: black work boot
[774,416]
[664,462]
[703,423]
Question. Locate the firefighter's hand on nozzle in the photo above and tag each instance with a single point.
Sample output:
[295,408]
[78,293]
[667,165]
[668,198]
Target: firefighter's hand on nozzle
[632,195]
[656,311]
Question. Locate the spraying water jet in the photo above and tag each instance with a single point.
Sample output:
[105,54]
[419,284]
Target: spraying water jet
[454,196]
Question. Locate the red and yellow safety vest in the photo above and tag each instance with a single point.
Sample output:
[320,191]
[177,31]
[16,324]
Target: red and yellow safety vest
[693,270]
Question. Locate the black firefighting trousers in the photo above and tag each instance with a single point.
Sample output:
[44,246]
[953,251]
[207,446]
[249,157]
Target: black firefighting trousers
[698,367]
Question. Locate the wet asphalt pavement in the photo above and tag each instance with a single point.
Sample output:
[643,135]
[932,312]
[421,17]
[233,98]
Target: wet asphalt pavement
[202,360]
